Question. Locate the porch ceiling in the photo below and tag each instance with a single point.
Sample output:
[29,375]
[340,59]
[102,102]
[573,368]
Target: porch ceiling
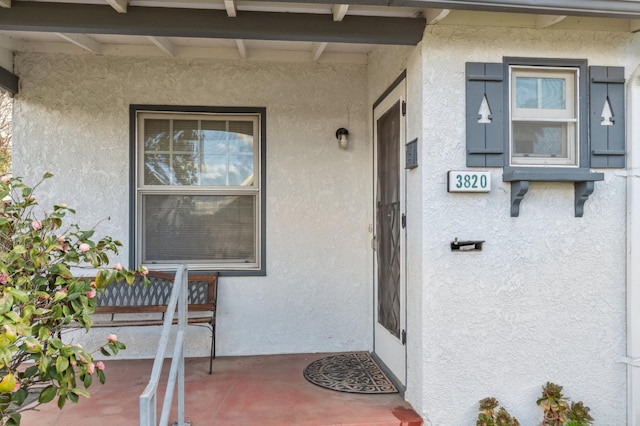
[201,28]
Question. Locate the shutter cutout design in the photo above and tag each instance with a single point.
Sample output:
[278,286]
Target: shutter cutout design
[484,114]
[607,117]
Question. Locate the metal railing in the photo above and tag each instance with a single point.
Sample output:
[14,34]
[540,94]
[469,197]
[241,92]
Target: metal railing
[148,399]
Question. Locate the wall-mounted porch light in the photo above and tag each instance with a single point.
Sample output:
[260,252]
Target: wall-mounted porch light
[342,136]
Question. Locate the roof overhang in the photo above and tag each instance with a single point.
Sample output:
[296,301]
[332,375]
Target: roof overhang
[184,22]
[626,9]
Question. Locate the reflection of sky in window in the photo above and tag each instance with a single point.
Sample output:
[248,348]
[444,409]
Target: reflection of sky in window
[545,93]
[221,152]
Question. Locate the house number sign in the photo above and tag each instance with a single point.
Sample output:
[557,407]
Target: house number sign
[469,181]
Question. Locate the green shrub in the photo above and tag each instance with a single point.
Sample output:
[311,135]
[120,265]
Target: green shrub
[40,294]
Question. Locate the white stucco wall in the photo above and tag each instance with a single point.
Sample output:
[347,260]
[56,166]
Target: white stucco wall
[545,299]
[72,119]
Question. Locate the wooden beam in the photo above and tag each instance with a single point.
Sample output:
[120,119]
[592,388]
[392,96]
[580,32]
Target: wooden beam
[232,10]
[434,16]
[634,25]
[544,21]
[163,44]
[5,3]
[82,41]
[167,22]
[339,11]
[318,50]
[119,5]
[8,81]
[242,48]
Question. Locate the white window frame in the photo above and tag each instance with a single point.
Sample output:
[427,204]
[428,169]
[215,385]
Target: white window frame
[255,190]
[569,115]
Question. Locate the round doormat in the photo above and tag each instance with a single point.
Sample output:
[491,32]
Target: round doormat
[353,372]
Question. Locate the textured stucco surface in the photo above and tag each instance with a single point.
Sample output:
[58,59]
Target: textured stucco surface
[72,119]
[545,299]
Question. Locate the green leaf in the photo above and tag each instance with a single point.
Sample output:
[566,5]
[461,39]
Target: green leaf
[62,400]
[73,397]
[19,396]
[30,371]
[101,377]
[18,294]
[14,419]
[62,363]
[19,249]
[88,378]
[47,394]
[81,392]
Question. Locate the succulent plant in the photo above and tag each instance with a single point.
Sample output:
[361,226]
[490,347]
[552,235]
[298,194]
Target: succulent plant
[554,404]
[489,417]
[579,415]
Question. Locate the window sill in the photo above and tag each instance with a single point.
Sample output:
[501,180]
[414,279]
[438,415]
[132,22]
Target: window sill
[583,180]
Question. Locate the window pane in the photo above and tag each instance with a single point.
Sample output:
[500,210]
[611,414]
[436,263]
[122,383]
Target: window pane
[214,170]
[553,93]
[202,228]
[156,169]
[526,92]
[540,93]
[185,135]
[214,137]
[185,168]
[241,136]
[156,135]
[540,139]
[241,170]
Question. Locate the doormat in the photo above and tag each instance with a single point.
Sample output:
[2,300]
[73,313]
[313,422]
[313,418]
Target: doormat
[354,372]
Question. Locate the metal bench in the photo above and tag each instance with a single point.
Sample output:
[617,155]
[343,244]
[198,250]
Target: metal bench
[130,305]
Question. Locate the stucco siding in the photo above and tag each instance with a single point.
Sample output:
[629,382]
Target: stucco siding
[72,119]
[545,299]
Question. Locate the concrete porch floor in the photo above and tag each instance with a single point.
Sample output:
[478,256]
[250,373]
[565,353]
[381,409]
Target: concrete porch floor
[253,390]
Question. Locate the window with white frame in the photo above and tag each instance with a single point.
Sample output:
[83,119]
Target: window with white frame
[199,186]
[544,128]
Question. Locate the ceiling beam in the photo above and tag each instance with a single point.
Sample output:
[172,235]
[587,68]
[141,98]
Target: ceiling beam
[318,50]
[242,48]
[5,3]
[119,5]
[434,16]
[168,22]
[339,11]
[8,81]
[163,44]
[544,21]
[601,8]
[83,41]
[232,10]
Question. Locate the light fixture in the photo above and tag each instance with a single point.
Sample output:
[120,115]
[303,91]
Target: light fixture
[342,136]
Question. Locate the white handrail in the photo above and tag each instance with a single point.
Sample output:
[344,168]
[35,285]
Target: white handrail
[149,396]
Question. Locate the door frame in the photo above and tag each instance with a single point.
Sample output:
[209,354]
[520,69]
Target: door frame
[397,373]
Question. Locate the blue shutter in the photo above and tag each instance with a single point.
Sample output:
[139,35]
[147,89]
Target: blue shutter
[606,91]
[485,141]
